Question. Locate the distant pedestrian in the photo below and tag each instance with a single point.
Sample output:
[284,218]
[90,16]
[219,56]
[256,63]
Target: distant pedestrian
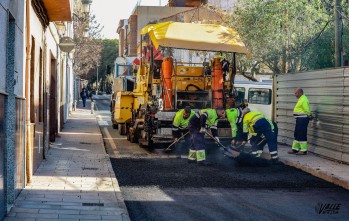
[302,114]
[84,95]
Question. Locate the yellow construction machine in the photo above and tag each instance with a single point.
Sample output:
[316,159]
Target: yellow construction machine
[122,96]
[163,85]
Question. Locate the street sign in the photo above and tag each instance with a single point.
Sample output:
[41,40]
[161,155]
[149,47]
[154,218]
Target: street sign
[66,44]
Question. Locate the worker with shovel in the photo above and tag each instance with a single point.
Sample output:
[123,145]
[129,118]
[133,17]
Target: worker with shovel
[262,132]
[197,130]
[180,128]
[234,117]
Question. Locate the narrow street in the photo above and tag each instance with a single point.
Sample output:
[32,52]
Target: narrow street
[157,186]
[91,93]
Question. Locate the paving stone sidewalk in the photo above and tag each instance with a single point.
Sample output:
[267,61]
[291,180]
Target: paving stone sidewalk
[76,182]
[329,170]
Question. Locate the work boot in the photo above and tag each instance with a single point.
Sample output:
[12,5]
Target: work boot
[301,153]
[292,152]
[276,161]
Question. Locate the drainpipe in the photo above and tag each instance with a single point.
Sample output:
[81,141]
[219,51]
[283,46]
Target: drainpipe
[29,125]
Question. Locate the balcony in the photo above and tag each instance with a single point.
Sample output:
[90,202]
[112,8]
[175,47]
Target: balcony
[58,10]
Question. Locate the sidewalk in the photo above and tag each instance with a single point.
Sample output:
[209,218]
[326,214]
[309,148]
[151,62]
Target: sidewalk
[76,182]
[332,171]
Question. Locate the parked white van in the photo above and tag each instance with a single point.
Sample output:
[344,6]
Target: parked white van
[258,95]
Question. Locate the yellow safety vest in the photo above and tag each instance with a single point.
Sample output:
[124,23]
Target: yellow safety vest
[302,108]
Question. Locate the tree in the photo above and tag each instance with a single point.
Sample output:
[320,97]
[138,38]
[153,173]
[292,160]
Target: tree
[277,32]
[109,52]
[88,48]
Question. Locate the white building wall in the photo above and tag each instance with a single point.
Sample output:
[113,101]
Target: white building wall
[151,13]
[225,5]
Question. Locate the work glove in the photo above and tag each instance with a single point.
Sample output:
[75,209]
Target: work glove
[217,139]
[202,130]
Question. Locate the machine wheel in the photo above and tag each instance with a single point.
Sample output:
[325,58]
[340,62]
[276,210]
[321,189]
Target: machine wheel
[128,136]
[139,138]
[134,137]
[141,145]
[122,129]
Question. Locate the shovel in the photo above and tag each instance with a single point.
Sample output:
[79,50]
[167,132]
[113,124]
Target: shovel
[243,159]
[176,141]
[233,154]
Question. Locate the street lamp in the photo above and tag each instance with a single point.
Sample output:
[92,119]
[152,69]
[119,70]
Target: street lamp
[86,6]
[97,80]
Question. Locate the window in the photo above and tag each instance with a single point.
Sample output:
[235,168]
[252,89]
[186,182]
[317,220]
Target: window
[241,93]
[259,96]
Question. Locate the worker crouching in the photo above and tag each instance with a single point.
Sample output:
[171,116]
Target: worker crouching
[262,132]
[234,116]
[180,128]
[197,129]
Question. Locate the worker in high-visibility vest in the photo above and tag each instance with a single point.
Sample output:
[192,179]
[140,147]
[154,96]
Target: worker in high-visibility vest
[197,129]
[234,117]
[180,127]
[302,114]
[262,131]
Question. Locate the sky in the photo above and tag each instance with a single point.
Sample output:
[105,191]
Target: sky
[109,12]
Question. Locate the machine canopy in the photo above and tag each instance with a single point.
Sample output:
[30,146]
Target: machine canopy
[203,37]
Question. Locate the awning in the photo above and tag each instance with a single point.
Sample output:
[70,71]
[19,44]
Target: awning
[204,37]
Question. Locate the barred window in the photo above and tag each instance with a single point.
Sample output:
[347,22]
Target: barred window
[259,96]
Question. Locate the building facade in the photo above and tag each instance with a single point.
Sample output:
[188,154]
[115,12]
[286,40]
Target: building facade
[12,102]
[186,11]
[129,29]
[34,88]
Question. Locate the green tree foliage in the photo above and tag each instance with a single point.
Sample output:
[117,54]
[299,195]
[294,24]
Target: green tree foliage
[319,55]
[110,51]
[277,32]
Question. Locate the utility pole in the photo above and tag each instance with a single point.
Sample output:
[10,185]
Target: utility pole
[97,81]
[337,33]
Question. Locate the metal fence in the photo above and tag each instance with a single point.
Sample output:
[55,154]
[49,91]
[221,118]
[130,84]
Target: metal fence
[328,94]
